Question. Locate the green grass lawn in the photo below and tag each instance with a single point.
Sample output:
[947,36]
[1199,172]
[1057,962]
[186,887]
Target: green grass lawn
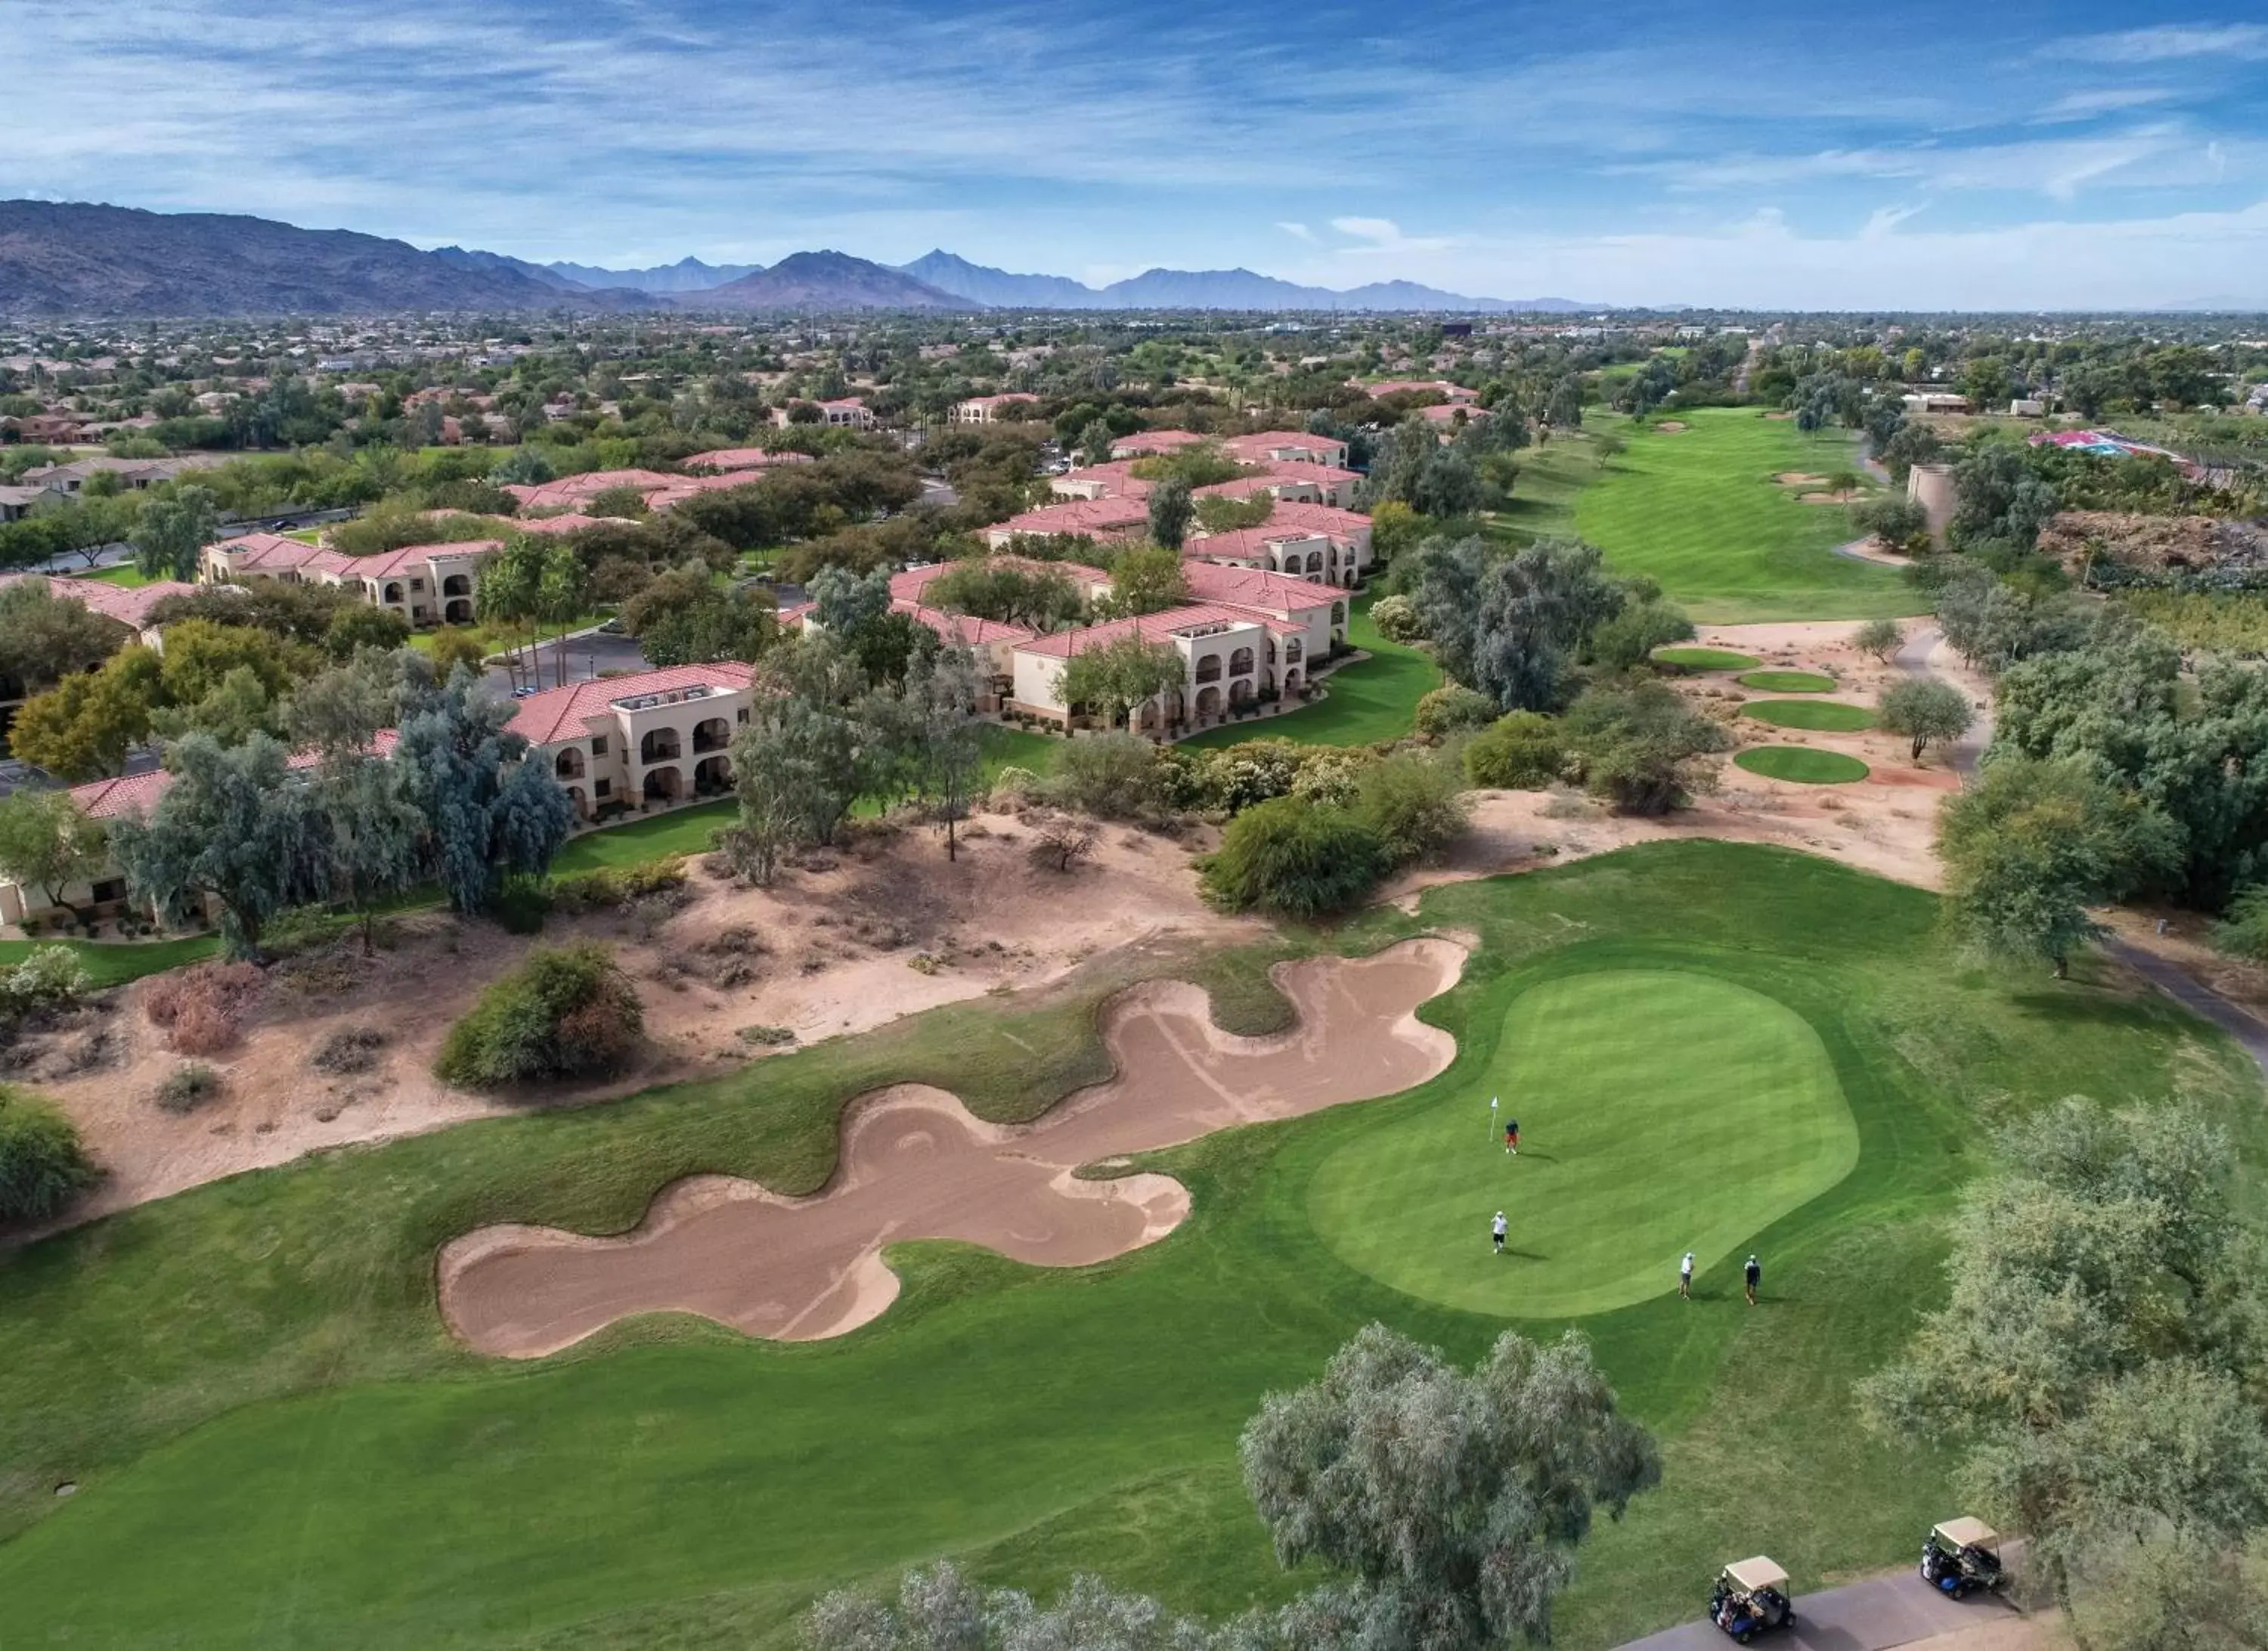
[125,573]
[1542,504]
[496,641]
[1787,681]
[1369,700]
[1826,716]
[1726,1117]
[1801,763]
[278,1445]
[1707,658]
[1699,510]
[114,962]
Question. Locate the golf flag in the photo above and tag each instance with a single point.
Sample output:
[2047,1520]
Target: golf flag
[1491,1117]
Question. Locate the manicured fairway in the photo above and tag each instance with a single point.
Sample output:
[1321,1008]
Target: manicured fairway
[1824,716]
[1787,681]
[1659,1113]
[1707,658]
[1801,763]
[278,1445]
[1370,700]
[1699,510]
[1551,477]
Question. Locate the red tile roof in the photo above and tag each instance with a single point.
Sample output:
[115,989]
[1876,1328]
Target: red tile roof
[1063,645]
[569,522]
[1344,524]
[389,565]
[743,459]
[976,632]
[1088,515]
[1155,440]
[1256,588]
[559,714]
[1256,449]
[574,490]
[910,584]
[138,793]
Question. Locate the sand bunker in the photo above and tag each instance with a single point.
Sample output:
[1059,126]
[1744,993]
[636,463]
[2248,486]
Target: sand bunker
[916,1164]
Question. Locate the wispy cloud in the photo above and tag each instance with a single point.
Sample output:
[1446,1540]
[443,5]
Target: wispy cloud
[2100,101]
[2166,42]
[1299,231]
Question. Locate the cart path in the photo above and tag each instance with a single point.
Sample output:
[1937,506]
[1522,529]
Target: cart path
[1874,1614]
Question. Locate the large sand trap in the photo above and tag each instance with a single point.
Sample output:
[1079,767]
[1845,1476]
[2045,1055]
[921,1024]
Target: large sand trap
[916,1164]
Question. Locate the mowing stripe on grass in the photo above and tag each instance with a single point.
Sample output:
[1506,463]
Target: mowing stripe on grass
[1659,1112]
[1825,716]
[1706,659]
[1803,765]
[1787,681]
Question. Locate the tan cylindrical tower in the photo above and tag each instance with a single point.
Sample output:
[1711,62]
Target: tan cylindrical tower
[1930,487]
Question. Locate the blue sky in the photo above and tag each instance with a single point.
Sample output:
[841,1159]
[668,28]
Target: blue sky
[1929,155]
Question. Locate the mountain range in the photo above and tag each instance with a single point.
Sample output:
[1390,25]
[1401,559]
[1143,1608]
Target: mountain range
[79,259]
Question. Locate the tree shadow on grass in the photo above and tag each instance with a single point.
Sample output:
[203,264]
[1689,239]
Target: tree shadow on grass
[2083,1007]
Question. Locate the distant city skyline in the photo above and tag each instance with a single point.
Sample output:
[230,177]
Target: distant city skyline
[1751,153]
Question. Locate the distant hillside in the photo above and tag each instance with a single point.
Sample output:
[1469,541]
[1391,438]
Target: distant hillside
[467,260]
[687,275]
[825,281]
[1198,290]
[58,259]
[979,284]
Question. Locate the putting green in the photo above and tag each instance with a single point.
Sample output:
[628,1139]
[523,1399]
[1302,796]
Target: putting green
[1802,764]
[1829,716]
[1660,1111]
[1788,681]
[1706,659]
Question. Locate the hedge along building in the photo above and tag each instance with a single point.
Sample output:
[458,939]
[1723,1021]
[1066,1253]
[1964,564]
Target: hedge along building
[427,585]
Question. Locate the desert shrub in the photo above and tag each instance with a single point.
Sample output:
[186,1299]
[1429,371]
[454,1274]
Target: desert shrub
[189,1087]
[1396,619]
[1294,857]
[1628,640]
[201,1007]
[349,1049]
[617,885]
[1332,774]
[1643,749]
[1881,638]
[2243,931]
[1061,844]
[49,977]
[1112,776]
[566,1012]
[1412,803]
[1446,710]
[1520,752]
[768,1036]
[1012,785]
[42,1166]
[521,905]
[1227,780]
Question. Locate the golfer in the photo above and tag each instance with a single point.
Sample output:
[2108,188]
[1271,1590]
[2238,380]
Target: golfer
[1754,1274]
[1685,1277]
[1511,1136]
[1496,1231]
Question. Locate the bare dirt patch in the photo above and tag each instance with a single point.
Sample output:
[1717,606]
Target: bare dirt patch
[828,950]
[916,1164]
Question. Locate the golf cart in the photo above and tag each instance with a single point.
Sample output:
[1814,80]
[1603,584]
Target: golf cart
[1751,1597]
[1962,1554]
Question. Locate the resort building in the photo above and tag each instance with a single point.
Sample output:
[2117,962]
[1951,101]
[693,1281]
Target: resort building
[1144,442]
[844,413]
[1287,446]
[991,410]
[642,742]
[1233,658]
[427,585]
[1453,394]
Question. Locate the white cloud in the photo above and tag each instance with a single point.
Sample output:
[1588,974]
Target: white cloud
[1883,219]
[2167,41]
[2085,106]
[1299,230]
[1382,231]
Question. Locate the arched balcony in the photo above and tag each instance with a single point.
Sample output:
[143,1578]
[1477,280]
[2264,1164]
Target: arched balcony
[569,763]
[713,735]
[661,745]
[664,785]
[713,776]
[457,585]
[1240,662]
[1209,668]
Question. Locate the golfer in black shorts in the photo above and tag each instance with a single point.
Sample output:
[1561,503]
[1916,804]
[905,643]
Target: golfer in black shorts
[1497,1230]
[1754,1274]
